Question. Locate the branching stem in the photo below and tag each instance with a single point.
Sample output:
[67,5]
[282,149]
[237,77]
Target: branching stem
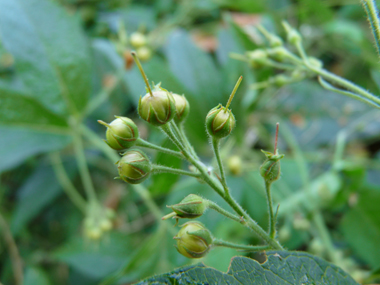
[247,248]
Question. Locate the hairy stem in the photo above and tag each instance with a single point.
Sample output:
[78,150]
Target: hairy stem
[225,213]
[219,242]
[217,187]
[144,143]
[13,252]
[215,146]
[272,222]
[65,182]
[161,168]
[373,19]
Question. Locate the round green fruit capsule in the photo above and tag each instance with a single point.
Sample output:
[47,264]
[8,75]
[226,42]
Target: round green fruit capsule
[121,133]
[270,170]
[134,167]
[220,122]
[158,107]
[193,240]
[138,39]
[182,108]
[191,207]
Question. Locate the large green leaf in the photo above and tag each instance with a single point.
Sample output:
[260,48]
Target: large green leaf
[280,268]
[51,78]
[361,226]
[51,59]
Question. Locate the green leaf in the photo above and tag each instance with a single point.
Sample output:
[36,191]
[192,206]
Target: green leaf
[35,275]
[39,190]
[51,59]
[361,226]
[280,268]
[18,144]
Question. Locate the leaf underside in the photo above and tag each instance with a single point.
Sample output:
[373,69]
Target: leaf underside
[281,267]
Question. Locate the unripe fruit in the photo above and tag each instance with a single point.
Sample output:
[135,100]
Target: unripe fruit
[121,133]
[234,164]
[220,122]
[191,207]
[270,170]
[134,167]
[157,108]
[138,39]
[193,240]
[182,108]
[257,58]
[144,53]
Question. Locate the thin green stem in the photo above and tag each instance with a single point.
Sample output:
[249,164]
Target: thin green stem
[83,167]
[160,168]
[326,238]
[373,19]
[219,242]
[233,93]
[138,63]
[14,254]
[215,146]
[214,185]
[190,147]
[65,182]
[178,134]
[225,213]
[144,143]
[272,222]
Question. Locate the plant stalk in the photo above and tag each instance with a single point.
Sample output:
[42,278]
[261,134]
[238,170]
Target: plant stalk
[219,242]
[144,143]
[272,221]
[166,169]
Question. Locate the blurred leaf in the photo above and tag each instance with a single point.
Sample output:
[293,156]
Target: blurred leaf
[40,189]
[361,226]
[34,276]
[198,73]
[54,72]
[281,267]
[18,144]
[95,260]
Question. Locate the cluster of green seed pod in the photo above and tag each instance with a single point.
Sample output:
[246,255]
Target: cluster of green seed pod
[98,221]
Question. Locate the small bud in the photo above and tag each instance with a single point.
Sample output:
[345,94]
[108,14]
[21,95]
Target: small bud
[294,37]
[316,247]
[134,167]
[234,164]
[105,225]
[157,108]
[220,122]
[257,58]
[144,53]
[315,62]
[182,108]
[275,41]
[193,240]
[278,53]
[270,170]
[298,74]
[138,39]
[121,133]
[300,223]
[281,80]
[191,207]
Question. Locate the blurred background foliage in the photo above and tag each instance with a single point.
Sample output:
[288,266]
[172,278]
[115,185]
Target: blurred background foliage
[68,59]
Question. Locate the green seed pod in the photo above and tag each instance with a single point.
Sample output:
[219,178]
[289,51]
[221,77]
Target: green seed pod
[193,240]
[182,108]
[220,122]
[191,207]
[134,167]
[270,170]
[157,108]
[121,133]
[144,53]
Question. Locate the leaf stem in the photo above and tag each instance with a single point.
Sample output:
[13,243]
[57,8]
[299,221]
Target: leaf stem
[219,242]
[65,182]
[144,143]
[166,169]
